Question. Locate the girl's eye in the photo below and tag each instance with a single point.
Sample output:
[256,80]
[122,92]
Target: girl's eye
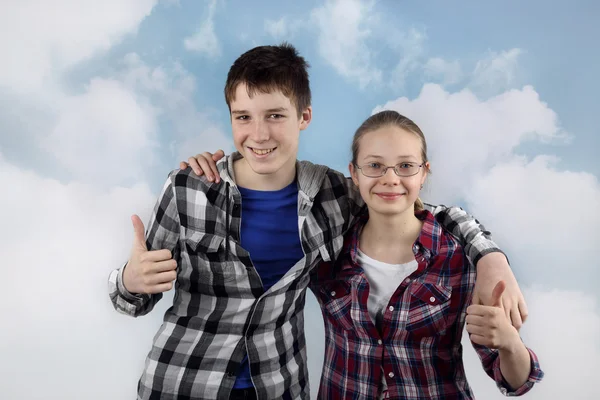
[374,165]
[405,165]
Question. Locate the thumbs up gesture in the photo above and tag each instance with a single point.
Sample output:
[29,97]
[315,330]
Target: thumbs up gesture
[489,326]
[148,271]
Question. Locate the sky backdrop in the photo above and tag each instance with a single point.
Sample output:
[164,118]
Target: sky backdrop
[100,100]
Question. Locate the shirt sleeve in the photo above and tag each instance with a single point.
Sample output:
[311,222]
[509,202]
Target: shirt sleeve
[356,204]
[162,233]
[475,239]
[490,359]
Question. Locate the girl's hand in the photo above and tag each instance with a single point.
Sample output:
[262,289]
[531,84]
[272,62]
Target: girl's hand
[205,163]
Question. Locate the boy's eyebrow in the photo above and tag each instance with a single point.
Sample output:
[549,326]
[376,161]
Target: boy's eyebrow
[269,111]
[276,110]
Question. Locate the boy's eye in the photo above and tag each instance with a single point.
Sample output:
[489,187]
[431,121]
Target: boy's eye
[275,116]
[242,117]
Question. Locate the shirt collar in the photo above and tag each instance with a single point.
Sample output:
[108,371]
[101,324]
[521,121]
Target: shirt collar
[427,244]
[308,175]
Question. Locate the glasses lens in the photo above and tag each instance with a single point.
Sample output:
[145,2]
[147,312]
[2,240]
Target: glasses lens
[373,170]
[406,169]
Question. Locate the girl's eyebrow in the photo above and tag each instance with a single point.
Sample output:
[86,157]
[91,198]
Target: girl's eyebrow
[380,157]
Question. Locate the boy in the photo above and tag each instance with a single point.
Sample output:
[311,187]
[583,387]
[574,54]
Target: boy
[235,330]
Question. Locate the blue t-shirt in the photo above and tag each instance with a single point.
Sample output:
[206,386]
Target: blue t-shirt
[270,234]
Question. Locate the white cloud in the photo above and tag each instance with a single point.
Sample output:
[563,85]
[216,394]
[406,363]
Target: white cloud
[467,136]
[277,29]
[104,133]
[61,242]
[282,28]
[110,133]
[445,72]
[344,28]
[496,72]
[41,39]
[205,40]
[563,331]
[174,89]
[408,47]
[546,218]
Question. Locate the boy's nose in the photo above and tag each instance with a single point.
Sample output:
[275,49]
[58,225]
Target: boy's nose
[260,133]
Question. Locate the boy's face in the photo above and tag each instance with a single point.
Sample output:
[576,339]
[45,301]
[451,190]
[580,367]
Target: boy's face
[266,128]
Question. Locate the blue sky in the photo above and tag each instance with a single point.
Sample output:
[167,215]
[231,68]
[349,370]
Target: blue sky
[98,101]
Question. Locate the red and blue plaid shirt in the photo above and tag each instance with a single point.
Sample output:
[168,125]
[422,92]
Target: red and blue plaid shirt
[416,352]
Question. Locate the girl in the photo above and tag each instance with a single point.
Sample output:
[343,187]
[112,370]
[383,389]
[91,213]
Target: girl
[397,299]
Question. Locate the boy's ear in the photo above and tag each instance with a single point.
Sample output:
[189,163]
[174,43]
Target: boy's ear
[353,173]
[305,118]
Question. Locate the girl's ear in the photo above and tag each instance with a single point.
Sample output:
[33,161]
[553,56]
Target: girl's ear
[353,173]
[425,172]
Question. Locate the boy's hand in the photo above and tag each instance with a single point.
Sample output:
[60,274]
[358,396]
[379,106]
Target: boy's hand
[488,325]
[491,269]
[146,271]
[205,163]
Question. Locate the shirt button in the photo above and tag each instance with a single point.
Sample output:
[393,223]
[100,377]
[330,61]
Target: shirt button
[332,293]
[391,308]
[379,341]
[391,374]
[432,299]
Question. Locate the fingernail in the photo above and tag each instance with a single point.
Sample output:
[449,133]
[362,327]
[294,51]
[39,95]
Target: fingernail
[210,178]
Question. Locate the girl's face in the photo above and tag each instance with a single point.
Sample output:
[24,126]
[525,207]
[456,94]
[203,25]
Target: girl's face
[388,146]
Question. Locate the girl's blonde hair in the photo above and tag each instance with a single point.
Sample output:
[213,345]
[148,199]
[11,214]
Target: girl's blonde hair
[384,119]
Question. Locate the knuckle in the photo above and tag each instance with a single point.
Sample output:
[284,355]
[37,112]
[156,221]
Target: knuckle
[518,324]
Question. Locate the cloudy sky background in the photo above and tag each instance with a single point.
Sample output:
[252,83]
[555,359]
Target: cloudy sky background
[100,100]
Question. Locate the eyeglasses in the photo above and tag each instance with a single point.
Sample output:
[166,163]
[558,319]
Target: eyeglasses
[377,170]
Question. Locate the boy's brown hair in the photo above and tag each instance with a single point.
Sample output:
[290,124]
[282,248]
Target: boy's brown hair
[269,68]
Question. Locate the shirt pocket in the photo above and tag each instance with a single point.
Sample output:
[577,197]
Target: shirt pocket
[336,302]
[429,308]
[208,257]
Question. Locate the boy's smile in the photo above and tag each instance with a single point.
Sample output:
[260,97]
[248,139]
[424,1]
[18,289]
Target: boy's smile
[266,129]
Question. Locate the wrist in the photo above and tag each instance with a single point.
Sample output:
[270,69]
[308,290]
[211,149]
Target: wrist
[514,346]
[123,282]
[492,260]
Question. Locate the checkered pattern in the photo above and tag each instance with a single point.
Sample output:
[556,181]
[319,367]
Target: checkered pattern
[416,352]
[220,311]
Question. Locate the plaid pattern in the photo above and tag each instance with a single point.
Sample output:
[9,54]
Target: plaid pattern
[416,353]
[220,311]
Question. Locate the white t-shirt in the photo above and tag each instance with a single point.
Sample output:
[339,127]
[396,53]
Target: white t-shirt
[383,280]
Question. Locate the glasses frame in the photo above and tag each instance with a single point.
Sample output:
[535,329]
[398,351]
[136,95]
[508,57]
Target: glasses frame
[386,167]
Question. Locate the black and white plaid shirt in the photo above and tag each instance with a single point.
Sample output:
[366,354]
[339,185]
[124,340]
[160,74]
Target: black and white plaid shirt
[220,310]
